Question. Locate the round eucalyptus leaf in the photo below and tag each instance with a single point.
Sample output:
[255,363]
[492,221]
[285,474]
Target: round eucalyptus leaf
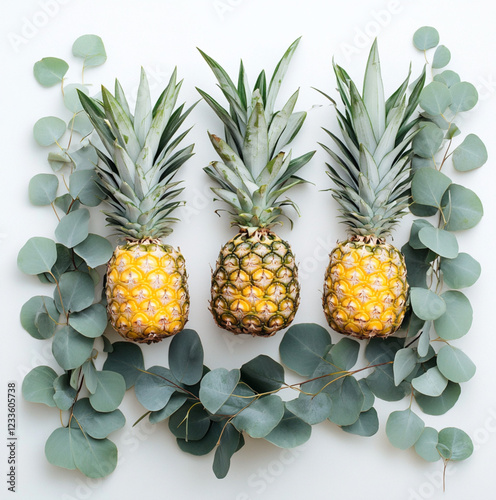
[426,38]
[76,290]
[441,404]
[403,428]
[460,272]
[204,445]
[457,320]
[95,458]
[85,158]
[50,71]
[229,443]
[435,98]
[90,322]
[470,154]
[368,395]
[429,186]
[39,317]
[263,374]
[454,364]
[81,124]
[58,449]
[191,422]
[431,383]
[290,432]
[64,393]
[422,210]
[109,392]
[241,397]
[442,57]
[91,49]
[454,444]
[59,160]
[439,241]
[186,357]
[216,387]
[43,189]
[426,304]
[367,424]
[73,228]
[90,378]
[64,261]
[95,250]
[382,350]
[464,96]
[37,386]
[426,446]
[311,409]
[71,97]
[418,161]
[38,255]
[462,208]
[417,225]
[347,401]
[405,361]
[261,417]
[304,346]
[381,383]
[428,140]
[448,77]
[70,348]
[94,423]
[344,354]
[126,359]
[66,203]
[83,185]
[175,402]
[416,265]
[49,130]
[155,387]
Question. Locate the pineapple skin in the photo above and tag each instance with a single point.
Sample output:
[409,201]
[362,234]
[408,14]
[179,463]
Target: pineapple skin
[365,289]
[255,288]
[147,291]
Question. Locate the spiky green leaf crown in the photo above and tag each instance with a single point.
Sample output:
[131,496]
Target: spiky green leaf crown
[372,172]
[254,172]
[141,157]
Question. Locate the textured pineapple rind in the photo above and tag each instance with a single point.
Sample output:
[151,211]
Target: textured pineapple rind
[255,288]
[147,291]
[365,289]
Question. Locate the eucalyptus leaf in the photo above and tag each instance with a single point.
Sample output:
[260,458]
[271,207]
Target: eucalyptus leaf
[58,449]
[127,359]
[186,357]
[344,354]
[43,189]
[405,361]
[75,292]
[403,428]
[347,401]
[81,124]
[464,96]
[109,391]
[71,97]
[204,445]
[462,208]
[175,402]
[440,404]
[426,304]
[454,444]
[73,228]
[381,383]
[263,374]
[426,446]
[311,409]
[64,394]
[90,322]
[426,38]
[96,424]
[95,458]
[261,416]
[50,71]
[416,265]
[154,387]
[470,154]
[367,424]
[457,320]
[37,386]
[414,240]
[431,383]
[368,395]
[191,422]
[441,242]
[216,387]
[290,432]
[49,130]
[228,445]
[454,364]
[38,255]
[83,185]
[428,140]
[460,272]
[70,348]
[442,57]
[39,317]
[429,186]
[435,98]
[90,376]
[95,250]
[448,77]
[304,346]
[91,49]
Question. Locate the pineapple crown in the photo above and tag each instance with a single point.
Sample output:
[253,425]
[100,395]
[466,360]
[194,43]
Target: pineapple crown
[372,173]
[254,172]
[141,157]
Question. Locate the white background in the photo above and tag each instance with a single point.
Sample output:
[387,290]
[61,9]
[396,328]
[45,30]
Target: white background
[159,34]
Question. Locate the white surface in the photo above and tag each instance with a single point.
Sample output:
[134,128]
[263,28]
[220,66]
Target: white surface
[160,34]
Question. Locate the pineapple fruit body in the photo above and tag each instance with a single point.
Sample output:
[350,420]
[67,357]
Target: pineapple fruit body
[365,288]
[255,288]
[147,292]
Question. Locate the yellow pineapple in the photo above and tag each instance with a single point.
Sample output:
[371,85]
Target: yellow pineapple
[146,282]
[365,287]
[255,289]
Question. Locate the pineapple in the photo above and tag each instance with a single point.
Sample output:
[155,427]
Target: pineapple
[146,282]
[255,288]
[365,288]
